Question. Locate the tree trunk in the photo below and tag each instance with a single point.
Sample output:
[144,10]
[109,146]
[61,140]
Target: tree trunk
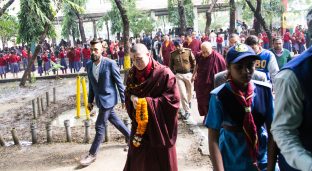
[5,7]
[208,22]
[3,42]
[29,75]
[259,18]
[232,16]
[38,48]
[107,28]
[81,28]
[126,28]
[271,23]
[257,26]
[181,11]
[208,16]
[32,60]
[68,41]
[74,37]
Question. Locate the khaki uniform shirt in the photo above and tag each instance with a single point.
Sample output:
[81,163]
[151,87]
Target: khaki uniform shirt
[182,61]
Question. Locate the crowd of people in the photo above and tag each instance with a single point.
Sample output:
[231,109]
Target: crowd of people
[234,88]
[234,77]
[15,59]
[70,59]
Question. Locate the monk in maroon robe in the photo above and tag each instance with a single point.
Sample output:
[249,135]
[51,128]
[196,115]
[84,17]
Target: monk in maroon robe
[192,44]
[208,63]
[166,47]
[157,84]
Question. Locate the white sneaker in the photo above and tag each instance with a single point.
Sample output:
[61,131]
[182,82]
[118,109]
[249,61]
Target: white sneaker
[87,160]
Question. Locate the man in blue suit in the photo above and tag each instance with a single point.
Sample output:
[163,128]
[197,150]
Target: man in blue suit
[104,77]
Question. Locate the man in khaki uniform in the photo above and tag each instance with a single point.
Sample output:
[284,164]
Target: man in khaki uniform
[182,63]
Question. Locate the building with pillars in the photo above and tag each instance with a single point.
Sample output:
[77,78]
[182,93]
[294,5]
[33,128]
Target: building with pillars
[95,9]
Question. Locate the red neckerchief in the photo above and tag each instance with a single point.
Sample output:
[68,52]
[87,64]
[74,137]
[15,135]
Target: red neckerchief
[142,75]
[249,126]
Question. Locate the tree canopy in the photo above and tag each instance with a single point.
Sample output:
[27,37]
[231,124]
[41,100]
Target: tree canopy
[174,14]
[8,26]
[139,20]
[33,16]
[69,24]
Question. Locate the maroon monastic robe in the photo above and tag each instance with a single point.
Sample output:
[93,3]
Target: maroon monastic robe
[157,151]
[206,69]
[165,50]
[194,46]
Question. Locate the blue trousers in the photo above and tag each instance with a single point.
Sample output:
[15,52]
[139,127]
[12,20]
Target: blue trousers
[25,63]
[104,115]
[287,46]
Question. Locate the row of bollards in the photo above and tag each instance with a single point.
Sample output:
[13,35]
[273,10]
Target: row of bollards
[33,128]
[38,105]
[14,136]
[87,131]
[67,131]
[2,143]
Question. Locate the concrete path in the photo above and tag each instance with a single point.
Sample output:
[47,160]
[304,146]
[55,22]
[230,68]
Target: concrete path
[196,126]
[195,123]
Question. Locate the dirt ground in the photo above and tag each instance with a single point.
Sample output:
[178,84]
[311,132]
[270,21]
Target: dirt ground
[16,112]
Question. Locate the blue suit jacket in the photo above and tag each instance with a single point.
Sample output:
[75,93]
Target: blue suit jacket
[104,91]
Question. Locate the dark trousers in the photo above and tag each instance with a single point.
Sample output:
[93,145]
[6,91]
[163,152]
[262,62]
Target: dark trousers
[104,115]
[219,48]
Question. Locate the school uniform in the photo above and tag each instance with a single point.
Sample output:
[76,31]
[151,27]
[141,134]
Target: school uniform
[226,116]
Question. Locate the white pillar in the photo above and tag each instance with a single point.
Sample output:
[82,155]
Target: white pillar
[94,29]
[195,19]
[153,16]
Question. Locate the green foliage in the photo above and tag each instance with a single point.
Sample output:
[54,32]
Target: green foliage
[271,10]
[70,11]
[148,25]
[33,15]
[114,16]
[104,19]
[69,24]
[8,26]
[247,14]
[174,14]
[139,21]
[76,5]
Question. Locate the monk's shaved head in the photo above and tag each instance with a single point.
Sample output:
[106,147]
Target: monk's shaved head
[206,45]
[139,47]
[206,49]
[140,56]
